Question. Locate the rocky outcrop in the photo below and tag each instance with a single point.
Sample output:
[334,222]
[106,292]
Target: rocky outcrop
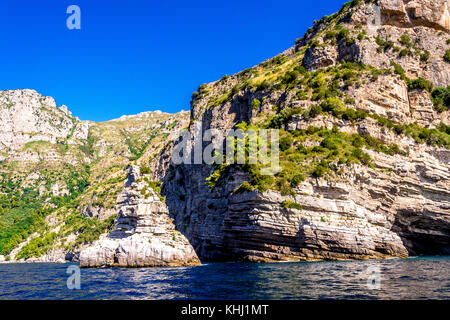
[144,234]
[97,212]
[426,22]
[410,13]
[400,209]
[320,57]
[28,116]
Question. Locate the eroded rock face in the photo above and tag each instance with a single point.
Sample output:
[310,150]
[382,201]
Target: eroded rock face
[144,235]
[407,13]
[399,208]
[320,57]
[387,97]
[426,21]
[28,116]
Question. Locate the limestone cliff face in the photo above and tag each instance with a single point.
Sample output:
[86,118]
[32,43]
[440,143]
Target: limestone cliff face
[409,13]
[425,21]
[399,206]
[28,116]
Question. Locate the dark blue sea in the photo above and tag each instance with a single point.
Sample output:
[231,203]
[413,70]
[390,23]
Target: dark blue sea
[413,278]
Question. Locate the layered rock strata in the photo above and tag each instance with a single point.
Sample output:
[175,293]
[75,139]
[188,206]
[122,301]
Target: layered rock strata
[144,234]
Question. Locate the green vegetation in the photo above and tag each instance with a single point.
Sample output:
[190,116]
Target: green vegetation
[244,187]
[420,84]
[425,56]
[399,70]
[155,185]
[91,229]
[334,151]
[137,146]
[88,145]
[291,205]
[145,170]
[256,104]
[405,40]
[447,56]
[22,209]
[384,45]
[434,137]
[37,246]
[441,98]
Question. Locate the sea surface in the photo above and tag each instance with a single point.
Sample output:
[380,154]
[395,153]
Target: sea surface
[413,278]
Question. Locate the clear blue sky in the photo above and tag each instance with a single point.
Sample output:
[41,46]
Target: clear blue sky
[132,56]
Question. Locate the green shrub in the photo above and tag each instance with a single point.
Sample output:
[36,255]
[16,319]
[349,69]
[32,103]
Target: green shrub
[441,98]
[358,141]
[349,42]
[256,104]
[383,45]
[283,117]
[343,34]
[263,86]
[314,111]
[405,52]
[285,143]
[399,70]
[425,56]
[37,247]
[393,149]
[234,91]
[319,170]
[290,77]
[328,143]
[349,100]
[91,231]
[244,187]
[286,204]
[447,56]
[421,84]
[363,157]
[301,95]
[352,114]
[297,179]
[405,40]
[333,105]
[145,170]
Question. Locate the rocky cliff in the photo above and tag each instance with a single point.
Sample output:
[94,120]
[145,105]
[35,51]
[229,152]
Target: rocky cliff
[361,105]
[144,234]
[365,166]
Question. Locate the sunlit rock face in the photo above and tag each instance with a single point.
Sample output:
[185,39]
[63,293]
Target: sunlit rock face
[400,207]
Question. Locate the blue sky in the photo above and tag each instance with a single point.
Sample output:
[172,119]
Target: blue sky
[133,56]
